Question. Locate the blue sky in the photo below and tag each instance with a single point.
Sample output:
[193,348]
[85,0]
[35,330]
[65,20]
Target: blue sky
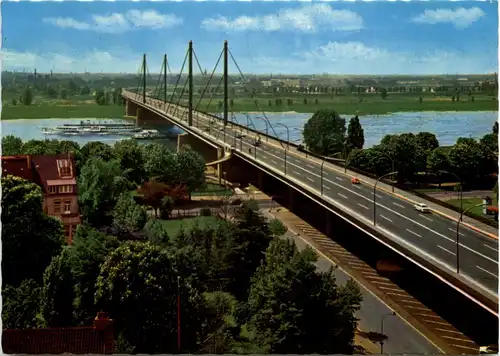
[264,37]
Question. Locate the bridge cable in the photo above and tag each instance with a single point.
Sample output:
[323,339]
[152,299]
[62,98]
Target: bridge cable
[180,96]
[208,83]
[178,80]
[139,80]
[256,103]
[156,92]
[198,62]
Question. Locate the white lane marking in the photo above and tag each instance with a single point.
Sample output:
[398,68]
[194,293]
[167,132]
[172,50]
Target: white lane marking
[397,204]
[482,269]
[276,163]
[413,232]
[327,187]
[338,178]
[396,213]
[312,180]
[297,173]
[342,195]
[490,247]
[425,217]
[363,206]
[378,196]
[310,166]
[357,186]
[455,231]
[386,218]
[445,249]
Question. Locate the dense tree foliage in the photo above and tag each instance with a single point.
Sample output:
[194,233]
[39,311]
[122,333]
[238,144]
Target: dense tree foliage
[296,309]
[11,145]
[324,133]
[29,237]
[20,305]
[355,134]
[58,292]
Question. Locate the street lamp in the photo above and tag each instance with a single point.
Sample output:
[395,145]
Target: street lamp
[382,330]
[267,127]
[460,193]
[458,234]
[322,163]
[375,195]
[287,134]
[392,160]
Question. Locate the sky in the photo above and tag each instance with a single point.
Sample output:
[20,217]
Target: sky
[376,38]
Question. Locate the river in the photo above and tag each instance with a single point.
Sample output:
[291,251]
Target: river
[447,126]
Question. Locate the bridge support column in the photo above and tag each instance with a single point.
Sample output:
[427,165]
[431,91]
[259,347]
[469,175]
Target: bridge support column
[291,198]
[139,119]
[130,108]
[328,223]
[220,153]
[260,179]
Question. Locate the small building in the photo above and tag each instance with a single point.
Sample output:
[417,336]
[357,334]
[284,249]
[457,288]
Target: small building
[56,175]
[94,339]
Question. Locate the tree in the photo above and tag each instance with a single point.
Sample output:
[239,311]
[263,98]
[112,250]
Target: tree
[251,238]
[156,232]
[427,142]
[296,309]
[160,163]
[383,94]
[465,158]
[88,251]
[29,237]
[35,147]
[152,193]
[137,284]
[324,132]
[58,294]
[191,169]
[63,94]
[100,184]
[438,160]
[127,213]
[96,149]
[495,128]
[11,145]
[100,97]
[131,159]
[20,305]
[355,134]
[27,97]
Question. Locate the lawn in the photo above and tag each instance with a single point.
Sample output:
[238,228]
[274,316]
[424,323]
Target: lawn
[363,104]
[468,202]
[174,226]
[212,189]
[60,111]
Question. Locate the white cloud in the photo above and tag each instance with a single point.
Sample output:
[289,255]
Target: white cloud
[460,18]
[358,58]
[117,22]
[308,18]
[93,61]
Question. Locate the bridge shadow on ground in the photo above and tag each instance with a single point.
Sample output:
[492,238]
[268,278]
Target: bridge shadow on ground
[466,316]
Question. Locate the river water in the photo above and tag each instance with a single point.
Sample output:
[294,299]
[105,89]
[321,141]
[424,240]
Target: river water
[447,126]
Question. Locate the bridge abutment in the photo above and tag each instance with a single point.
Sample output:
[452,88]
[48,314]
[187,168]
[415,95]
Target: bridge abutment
[130,108]
[208,152]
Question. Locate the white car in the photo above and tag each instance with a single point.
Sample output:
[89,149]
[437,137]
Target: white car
[422,208]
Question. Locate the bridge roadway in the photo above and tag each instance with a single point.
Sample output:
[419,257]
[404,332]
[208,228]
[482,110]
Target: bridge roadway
[431,235]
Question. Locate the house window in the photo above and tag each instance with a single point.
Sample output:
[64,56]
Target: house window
[69,189]
[64,167]
[52,189]
[67,206]
[57,207]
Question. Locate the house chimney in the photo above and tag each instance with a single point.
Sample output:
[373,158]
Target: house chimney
[102,321]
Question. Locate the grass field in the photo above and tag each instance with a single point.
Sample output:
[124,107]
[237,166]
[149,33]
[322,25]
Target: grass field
[364,104]
[213,190]
[62,111]
[468,202]
[174,226]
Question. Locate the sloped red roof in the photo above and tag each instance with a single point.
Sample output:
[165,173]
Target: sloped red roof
[46,166]
[97,339]
[19,166]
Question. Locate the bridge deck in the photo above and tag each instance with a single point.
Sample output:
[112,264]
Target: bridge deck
[430,236]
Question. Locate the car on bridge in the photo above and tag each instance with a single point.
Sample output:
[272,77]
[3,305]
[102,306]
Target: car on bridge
[355,180]
[421,207]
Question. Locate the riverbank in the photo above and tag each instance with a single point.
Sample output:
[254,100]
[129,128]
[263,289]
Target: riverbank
[80,111]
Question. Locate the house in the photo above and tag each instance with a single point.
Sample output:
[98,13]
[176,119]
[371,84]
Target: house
[95,339]
[56,175]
